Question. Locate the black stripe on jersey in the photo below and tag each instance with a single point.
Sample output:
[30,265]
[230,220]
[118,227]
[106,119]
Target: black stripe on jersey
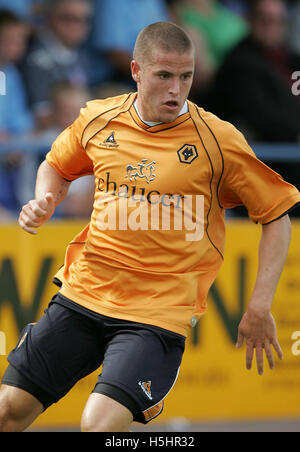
[218,185]
[211,193]
[108,122]
[101,114]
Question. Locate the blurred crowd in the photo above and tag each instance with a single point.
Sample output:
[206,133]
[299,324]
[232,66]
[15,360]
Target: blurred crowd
[58,54]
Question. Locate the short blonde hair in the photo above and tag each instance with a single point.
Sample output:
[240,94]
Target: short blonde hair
[163,35]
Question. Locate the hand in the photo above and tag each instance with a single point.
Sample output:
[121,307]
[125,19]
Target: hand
[36,212]
[259,331]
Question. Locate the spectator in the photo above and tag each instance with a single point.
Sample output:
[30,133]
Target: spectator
[220,28]
[294,29]
[253,88]
[15,117]
[117,24]
[67,101]
[57,54]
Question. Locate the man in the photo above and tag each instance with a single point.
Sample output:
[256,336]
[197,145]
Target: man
[57,54]
[133,283]
[253,88]
[117,42]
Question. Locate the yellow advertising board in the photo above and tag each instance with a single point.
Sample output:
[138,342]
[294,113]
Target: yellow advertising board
[213,382]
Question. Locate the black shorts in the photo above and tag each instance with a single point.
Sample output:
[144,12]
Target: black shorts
[140,362]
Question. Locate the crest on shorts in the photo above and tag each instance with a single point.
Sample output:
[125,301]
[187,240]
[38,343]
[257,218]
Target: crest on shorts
[23,339]
[146,387]
[188,153]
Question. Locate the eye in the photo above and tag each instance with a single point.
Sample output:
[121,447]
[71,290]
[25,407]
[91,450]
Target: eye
[185,76]
[163,76]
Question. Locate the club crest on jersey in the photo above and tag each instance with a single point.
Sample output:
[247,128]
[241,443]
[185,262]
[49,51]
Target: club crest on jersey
[188,153]
[146,387]
[142,170]
[110,142]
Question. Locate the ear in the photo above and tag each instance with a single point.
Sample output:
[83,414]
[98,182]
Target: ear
[135,71]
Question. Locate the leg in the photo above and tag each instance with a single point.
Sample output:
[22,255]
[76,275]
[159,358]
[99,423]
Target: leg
[103,414]
[52,355]
[132,386]
[18,409]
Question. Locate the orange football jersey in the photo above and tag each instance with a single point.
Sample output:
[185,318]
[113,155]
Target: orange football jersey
[156,238]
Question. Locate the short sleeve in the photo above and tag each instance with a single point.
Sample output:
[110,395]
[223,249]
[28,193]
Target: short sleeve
[67,154]
[248,181]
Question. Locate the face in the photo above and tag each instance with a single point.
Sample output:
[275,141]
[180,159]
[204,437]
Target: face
[13,39]
[71,22]
[163,84]
[269,23]
[67,106]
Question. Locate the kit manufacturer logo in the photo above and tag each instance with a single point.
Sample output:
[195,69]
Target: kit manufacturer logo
[110,142]
[146,387]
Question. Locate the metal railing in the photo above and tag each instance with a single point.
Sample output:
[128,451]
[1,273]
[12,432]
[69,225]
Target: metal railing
[286,152]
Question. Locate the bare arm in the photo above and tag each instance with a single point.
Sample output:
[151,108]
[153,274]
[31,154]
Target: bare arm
[257,327]
[50,190]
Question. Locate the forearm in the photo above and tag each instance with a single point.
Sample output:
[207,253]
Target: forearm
[49,181]
[273,250]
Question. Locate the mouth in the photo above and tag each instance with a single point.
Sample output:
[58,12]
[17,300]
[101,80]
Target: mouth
[171,105]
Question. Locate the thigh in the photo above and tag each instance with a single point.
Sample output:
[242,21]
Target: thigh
[61,348]
[140,367]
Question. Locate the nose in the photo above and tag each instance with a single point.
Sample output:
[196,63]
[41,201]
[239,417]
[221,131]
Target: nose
[174,86]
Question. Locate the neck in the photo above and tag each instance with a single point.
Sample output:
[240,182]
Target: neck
[153,123]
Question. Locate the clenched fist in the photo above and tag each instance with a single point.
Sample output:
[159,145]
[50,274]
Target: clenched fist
[36,212]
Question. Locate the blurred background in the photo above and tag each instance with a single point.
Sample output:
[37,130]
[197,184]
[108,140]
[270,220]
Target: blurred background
[55,56]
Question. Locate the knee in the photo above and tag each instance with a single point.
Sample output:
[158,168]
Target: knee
[90,426]
[7,423]
[103,424]
[103,414]
[17,409]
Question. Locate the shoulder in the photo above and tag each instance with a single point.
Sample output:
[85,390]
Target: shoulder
[98,108]
[227,136]
[218,127]
[98,112]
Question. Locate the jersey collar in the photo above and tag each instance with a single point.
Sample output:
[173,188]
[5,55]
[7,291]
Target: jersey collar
[157,127]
